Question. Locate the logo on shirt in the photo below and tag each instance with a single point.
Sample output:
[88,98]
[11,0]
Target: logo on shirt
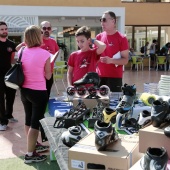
[9,49]
[84,63]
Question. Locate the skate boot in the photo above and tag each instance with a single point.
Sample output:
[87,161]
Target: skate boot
[154,158]
[105,134]
[72,136]
[144,118]
[89,78]
[167,131]
[127,101]
[109,115]
[159,112]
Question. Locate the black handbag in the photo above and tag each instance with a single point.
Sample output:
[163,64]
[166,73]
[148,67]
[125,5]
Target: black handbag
[14,78]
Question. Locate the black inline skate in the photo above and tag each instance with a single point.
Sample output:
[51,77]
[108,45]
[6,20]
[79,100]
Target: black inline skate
[93,91]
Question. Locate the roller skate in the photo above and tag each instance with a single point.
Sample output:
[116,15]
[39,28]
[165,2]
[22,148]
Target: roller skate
[125,109]
[105,134]
[144,119]
[94,91]
[127,101]
[159,112]
[75,116]
[109,115]
[72,136]
[154,158]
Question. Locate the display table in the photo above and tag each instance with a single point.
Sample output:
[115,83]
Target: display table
[54,137]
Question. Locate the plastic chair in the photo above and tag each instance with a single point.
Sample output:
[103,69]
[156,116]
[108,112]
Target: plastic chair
[161,60]
[61,65]
[58,74]
[136,62]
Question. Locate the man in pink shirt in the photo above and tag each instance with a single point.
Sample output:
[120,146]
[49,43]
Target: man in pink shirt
[110,67]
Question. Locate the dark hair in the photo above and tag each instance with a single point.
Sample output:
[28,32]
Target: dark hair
[3,23]
[84,30]
[167,44]
[111,13]
[154,41]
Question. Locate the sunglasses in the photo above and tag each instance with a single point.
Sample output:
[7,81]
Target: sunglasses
[46,28]
[104,19]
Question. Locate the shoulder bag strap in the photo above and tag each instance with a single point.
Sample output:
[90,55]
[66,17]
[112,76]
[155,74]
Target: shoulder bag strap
[20,56]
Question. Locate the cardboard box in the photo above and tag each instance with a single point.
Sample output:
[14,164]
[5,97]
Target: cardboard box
[153,137]
[120,155]
[136,166]
[90,103]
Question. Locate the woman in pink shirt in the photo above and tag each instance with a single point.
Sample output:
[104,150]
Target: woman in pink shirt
[36,67]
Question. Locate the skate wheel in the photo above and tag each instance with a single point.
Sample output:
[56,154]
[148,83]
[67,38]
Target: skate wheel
[81,91]
[92,91]
[71,91]
[104,90]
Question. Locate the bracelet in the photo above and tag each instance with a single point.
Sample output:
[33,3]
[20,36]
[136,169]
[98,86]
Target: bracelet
[92,41]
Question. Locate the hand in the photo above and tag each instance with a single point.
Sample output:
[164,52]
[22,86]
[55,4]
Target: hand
[106,60]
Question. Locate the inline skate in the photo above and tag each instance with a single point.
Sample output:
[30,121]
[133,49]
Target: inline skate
[94,91]
[125,109]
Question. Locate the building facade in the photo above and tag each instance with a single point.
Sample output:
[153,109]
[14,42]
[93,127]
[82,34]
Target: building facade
[141,21]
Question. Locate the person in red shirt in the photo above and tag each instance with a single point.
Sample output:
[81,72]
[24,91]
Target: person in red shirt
[50,45]
[84,60]
[110,67]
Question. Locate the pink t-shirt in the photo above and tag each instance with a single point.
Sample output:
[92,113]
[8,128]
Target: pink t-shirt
[114,43]
[83,62]
[33,63]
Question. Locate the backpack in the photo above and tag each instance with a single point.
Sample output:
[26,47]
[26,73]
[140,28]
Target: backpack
[142,49]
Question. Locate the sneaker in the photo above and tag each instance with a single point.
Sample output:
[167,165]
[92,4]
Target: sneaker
[41,148]
[34,158]
[109,114]
[3,127]
[155,158]
[13,120]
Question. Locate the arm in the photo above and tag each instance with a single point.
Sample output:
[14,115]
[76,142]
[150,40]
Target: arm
[12,57]
[48,69]
[70,76]
[19,46]
[100,46]
[122,61]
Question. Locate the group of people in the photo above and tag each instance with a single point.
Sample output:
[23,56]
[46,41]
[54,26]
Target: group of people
[38,47]
[153,52]
[37,68]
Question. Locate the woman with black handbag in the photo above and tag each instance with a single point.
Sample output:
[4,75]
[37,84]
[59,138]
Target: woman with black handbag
[36,68]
